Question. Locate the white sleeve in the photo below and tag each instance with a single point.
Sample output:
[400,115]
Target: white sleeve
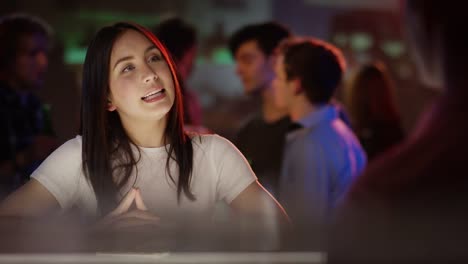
[60,173]
[233,170]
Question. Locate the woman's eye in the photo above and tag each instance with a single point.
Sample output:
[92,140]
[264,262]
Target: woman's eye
[128,68]
[154,58]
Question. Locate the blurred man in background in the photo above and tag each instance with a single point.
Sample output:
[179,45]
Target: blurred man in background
[181,39]
[26,135]
[322,155]
[261,138]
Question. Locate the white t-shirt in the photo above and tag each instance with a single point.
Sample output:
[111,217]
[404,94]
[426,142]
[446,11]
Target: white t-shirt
[220,172]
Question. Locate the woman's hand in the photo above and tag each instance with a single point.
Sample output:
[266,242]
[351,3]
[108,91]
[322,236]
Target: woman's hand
[123,217]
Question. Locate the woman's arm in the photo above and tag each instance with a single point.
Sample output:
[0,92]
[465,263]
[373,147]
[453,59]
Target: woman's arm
[31,199]
[263,221]
[258,202]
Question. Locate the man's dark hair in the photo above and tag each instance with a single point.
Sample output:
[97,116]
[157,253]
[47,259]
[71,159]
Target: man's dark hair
[317,64]
[177,35]
[12,28]
[267,35]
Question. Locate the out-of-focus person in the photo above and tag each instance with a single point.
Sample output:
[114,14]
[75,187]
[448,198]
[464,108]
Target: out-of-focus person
[26,134]
[261,138]
[411,204]
[374,116]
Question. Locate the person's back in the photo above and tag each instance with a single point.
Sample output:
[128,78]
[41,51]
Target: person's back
[414,198]
[261,137]
[313,191]
[371,103]
[322,155]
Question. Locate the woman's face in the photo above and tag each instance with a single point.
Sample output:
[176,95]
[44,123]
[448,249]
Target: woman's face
[140,81]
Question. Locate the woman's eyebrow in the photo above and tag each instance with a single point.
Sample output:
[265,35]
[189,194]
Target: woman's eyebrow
[150,48]
[122,59]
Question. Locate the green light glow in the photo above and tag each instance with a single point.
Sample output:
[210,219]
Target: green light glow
[361,41]
[75,38]
[111,17]
[393,48]
[75,55]
[222,56]
[340,39]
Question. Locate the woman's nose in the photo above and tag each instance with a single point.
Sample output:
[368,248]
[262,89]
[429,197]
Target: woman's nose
[151,75]
[150,78]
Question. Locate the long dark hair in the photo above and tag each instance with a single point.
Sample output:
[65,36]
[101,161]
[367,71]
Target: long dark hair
[371,97]
[107,149]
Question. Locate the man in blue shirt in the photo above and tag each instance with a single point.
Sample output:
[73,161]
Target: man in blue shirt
[322,155]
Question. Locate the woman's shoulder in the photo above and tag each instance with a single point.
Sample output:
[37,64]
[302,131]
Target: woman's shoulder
[71,148]
[210,142]
[73,144]
[207,139]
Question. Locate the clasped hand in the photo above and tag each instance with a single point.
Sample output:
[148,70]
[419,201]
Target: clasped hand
[123,217]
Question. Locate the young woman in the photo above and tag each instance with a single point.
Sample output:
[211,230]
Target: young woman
[374,115]
[133,148]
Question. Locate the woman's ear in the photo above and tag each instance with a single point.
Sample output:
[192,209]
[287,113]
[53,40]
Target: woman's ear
[110,106]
